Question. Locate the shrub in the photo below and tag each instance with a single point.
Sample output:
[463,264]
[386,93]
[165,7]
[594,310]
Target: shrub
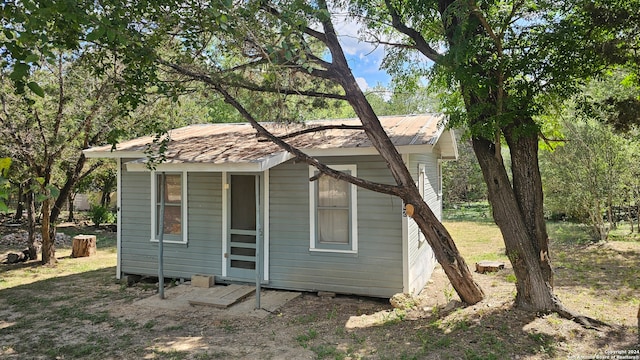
[101,214]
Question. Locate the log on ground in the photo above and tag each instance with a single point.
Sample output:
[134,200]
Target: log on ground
[13,258]
[489,266]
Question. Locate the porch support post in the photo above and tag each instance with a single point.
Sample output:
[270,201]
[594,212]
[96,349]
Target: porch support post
[161,238]
[258,243]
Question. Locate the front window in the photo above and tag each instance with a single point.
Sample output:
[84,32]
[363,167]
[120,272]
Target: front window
[333,211]
[174,219]
[172,204]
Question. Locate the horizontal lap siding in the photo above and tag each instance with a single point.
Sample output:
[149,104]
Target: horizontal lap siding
[421,257]
[137,255]
[201,255]
[204,252]
[377,268]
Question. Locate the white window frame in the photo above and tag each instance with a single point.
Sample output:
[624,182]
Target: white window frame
[314,245]
[183,239]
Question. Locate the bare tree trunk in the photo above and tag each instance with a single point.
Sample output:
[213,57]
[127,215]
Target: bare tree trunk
[534,292]
[48,241]
[72,178]
[527,187]
[21,202]
[105,198]
[638,216]
[534,289]
[613,223]
[70,206]
[31,222]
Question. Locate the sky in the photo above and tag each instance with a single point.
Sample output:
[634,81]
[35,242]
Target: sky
[364,58]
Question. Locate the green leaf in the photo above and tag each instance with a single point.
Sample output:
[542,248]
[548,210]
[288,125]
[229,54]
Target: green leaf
[20,71]
[5,163]
[96,34]
[3,206]
[36,88]
[32,58]
[53,191]
[111,34]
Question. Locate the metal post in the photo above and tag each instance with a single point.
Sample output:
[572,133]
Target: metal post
[161,238]
[258,243]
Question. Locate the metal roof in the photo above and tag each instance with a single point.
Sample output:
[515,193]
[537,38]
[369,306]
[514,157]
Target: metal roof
[220,144]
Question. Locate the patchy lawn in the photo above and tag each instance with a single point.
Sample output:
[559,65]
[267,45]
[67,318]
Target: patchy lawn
[79,310]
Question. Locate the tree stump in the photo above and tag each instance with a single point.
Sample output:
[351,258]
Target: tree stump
[83,245]
[489,266]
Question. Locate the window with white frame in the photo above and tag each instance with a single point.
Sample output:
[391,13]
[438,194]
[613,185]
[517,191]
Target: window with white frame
[333,209]
[174,219]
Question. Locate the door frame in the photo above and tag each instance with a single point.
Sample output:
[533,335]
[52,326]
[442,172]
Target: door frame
[263,224]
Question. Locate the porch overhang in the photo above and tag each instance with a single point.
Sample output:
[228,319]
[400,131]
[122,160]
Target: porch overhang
[257,165]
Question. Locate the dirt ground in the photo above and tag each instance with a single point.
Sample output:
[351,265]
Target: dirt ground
[90,315]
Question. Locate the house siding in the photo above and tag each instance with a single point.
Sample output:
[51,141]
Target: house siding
[293,266]
[420,255]
[202,252]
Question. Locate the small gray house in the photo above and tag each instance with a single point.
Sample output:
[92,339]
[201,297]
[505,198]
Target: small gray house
[234,202]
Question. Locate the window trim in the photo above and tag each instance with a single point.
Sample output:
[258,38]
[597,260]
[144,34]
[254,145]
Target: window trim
[314,245]
[422,182]
[439,174]
[174,239]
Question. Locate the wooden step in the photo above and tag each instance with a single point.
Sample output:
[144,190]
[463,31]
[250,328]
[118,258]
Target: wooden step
[223,296]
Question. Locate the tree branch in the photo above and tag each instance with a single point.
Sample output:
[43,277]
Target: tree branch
[378,187]
[318,128]
[59,113]
[486,26]
[421,43]
[499,50]
[209,80]
[305,29]
[42,136]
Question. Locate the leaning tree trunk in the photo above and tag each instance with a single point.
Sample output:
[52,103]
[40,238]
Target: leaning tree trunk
[527,187]
[446,251]
[437,236]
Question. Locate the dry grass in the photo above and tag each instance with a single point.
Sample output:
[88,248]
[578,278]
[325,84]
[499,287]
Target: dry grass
[78,310]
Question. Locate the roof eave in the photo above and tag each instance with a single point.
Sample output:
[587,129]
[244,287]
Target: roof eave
[115,154]
[259,165]
[448,145]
